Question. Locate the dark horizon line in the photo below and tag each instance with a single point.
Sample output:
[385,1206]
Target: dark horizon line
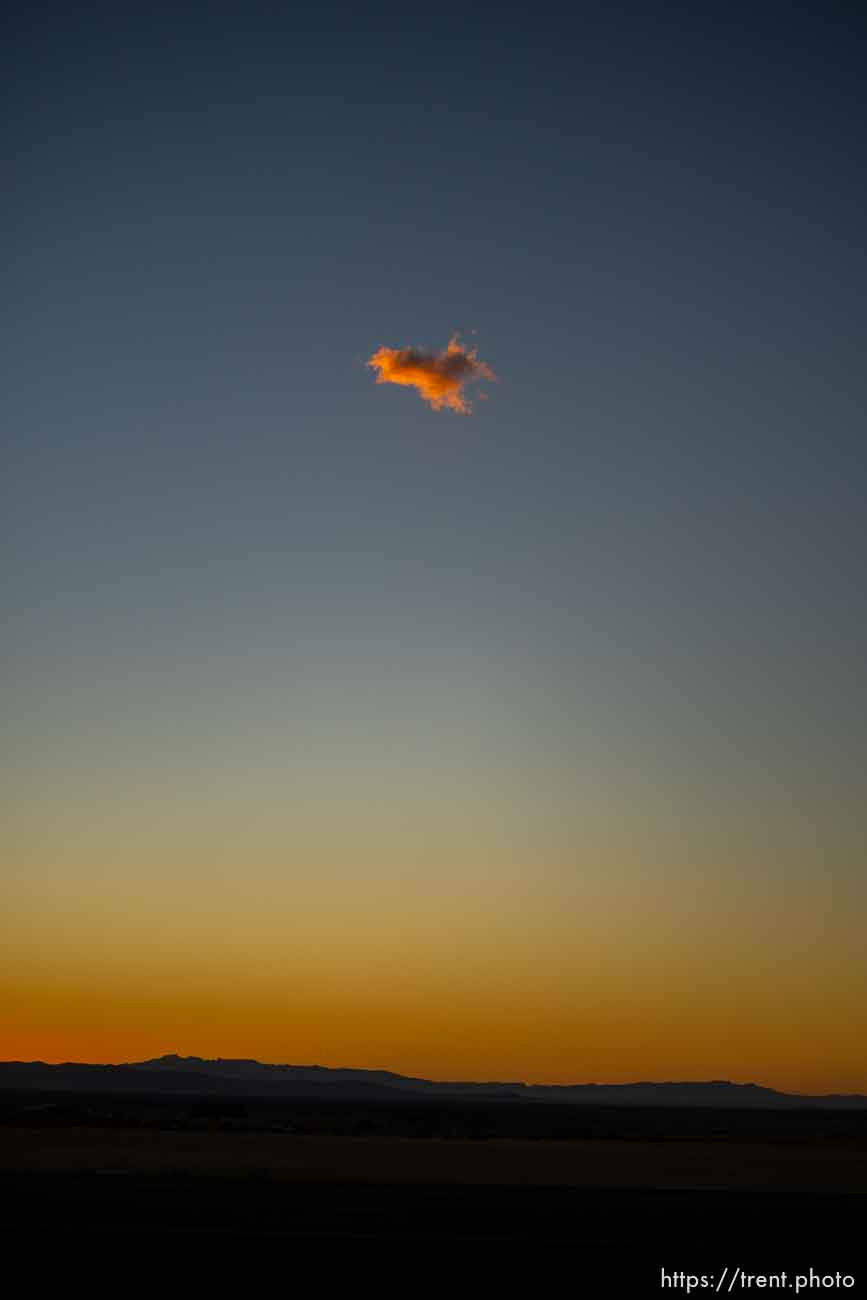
[174,1063]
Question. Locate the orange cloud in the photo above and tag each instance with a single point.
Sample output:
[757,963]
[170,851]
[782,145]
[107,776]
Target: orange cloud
[440,377]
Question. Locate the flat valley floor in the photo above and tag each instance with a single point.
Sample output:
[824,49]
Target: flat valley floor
[644,1193]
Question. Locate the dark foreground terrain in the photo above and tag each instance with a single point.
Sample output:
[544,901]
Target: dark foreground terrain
[614,1194]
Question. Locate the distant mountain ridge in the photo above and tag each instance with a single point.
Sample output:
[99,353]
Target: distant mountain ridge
[193,1075]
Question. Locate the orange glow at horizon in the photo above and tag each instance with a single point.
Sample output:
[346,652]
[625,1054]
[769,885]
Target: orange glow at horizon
[449,923]
[418,1032]
[440,378]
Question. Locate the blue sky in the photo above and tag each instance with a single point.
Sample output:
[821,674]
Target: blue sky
[624,598]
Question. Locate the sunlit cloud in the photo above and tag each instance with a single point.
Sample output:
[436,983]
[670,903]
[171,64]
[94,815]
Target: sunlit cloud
[440,377]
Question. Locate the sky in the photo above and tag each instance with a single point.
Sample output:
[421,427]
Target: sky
[524,742]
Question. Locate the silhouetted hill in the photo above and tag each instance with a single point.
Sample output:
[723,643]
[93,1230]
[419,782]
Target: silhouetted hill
[194,1076]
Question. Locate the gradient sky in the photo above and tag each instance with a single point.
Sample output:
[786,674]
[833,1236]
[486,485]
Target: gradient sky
[524,744]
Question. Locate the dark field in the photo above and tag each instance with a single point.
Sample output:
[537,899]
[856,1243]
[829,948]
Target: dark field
[608,1191]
